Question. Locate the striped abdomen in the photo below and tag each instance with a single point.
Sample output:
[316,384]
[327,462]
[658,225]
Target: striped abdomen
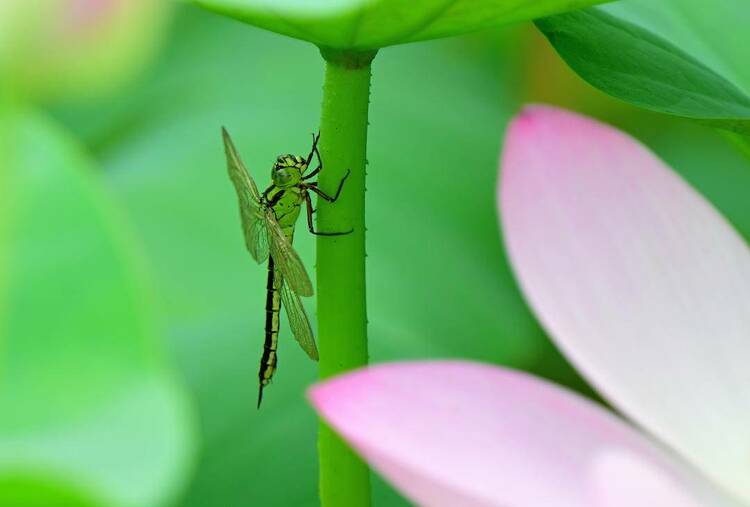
[273,306]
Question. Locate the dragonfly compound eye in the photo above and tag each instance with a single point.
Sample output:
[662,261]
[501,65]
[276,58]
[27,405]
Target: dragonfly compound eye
[282,176]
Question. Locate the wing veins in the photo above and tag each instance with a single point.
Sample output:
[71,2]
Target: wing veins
[286,258]
[298,321]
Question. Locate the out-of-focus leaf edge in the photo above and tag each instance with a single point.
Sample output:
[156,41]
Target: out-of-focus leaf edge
[343,25]
[584,38]
[34,483]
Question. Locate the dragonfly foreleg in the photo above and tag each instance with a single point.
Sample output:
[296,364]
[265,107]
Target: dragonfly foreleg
[314,150]
[309,159]
[310,226]
[314,173]
[314,187]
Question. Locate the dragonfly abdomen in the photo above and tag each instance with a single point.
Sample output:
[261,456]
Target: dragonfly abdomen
[273,307]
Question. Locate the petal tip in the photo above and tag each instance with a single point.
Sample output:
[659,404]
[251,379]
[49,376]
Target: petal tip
[533,112]
[331,394]
[525,118]
[321,395]
[530,125]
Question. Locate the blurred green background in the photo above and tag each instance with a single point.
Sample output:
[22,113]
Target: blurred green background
[131,315]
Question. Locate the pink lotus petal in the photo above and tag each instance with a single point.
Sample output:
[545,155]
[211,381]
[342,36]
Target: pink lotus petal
[641,282]
[456,434]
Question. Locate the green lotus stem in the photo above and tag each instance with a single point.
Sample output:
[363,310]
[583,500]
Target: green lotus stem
[340,268]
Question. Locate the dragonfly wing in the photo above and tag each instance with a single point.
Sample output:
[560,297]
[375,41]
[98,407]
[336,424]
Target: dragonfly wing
[251,209]
[298,321]
[286,259]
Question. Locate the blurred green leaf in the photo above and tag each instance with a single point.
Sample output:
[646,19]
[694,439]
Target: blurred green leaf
[655,55]
[368,24]
[36,491]
[90,413]
[742,143]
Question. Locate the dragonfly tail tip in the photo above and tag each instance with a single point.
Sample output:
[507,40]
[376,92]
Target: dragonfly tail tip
[260,395]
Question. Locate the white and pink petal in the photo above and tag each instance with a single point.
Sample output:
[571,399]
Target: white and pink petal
[464,434]
[641,282]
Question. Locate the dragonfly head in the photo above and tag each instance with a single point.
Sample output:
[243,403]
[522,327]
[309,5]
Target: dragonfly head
[287,170]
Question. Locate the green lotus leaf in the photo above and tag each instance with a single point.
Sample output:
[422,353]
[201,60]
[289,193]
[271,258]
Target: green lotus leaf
[373,24]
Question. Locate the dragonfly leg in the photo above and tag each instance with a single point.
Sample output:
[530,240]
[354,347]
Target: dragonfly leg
[314,173]
[314,187]
[314,150]
[309,159]
[310,227]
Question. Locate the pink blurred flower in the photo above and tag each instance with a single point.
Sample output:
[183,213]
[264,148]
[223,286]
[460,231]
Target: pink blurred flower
[643,285]
[79,49]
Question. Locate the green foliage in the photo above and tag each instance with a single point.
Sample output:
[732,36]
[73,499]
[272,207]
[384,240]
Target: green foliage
[90,414]
[367,24]
[677,57]
[438,284]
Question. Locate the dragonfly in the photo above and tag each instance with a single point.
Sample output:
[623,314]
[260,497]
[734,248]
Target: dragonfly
[268,221]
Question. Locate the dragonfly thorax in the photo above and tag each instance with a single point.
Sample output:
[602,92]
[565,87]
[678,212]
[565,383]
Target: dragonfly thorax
[287,170]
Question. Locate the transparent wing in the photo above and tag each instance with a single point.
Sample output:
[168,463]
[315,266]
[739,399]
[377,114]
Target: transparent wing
[286,259]
[252,211]
[298,321]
